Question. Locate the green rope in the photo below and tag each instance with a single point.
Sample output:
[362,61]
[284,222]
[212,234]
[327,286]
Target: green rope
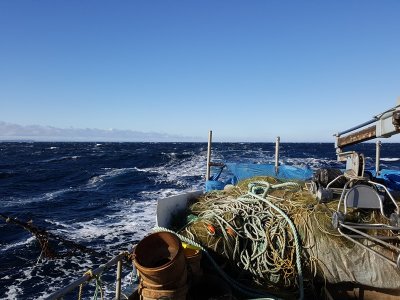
[99,284]
[295,235]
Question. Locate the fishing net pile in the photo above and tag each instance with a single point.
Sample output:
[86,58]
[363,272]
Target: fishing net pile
[276,234]
[244,227]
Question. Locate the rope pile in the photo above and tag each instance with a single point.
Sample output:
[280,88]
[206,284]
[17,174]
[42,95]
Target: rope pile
[252,231]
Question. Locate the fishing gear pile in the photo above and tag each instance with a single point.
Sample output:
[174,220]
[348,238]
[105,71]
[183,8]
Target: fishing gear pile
[277,235]
[252,230]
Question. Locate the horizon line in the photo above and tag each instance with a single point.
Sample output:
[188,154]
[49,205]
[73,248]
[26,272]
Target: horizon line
[93,140]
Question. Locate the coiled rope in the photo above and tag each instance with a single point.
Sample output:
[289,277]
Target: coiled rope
[289,221]
[254,235]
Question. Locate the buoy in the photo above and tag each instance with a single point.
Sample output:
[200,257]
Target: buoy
[230,231]
[211,229]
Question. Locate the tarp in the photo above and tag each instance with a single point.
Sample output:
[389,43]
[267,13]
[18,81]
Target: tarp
[391,178]
[243,171]
[346,262]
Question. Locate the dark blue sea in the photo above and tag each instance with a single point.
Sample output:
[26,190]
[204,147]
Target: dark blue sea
[104,195]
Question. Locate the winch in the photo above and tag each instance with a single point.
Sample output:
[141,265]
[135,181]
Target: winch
[362,191]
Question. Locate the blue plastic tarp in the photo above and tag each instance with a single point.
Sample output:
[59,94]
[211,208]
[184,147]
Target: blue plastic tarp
[244,171]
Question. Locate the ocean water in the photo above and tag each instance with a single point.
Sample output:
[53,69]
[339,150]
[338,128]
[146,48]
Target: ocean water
[104,195]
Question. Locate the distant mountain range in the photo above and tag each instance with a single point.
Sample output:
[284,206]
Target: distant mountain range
[15,132]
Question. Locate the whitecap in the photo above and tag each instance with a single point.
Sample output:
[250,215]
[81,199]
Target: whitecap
[110,173]
[390,159]
[57,159]
[151,195]
[133,219]
[142,170]
[17,244]
[48,196]
[180,172]
[13,292]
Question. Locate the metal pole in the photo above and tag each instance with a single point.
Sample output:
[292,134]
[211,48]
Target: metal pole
[118,287]
[378,157]
[358,126]
[278,139]
[209,155]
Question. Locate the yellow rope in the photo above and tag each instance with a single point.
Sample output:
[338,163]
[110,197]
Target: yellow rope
[90,273]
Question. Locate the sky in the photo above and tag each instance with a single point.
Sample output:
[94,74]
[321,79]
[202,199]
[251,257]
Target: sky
[248,70]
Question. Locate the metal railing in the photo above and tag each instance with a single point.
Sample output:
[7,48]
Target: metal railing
[116,260]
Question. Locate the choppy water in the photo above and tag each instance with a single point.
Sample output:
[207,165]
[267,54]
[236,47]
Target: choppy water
[104,196]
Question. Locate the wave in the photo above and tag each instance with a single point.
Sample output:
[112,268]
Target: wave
[133,218]
[48,196]
[111,173]
[151,195]
[143,170]
[390,159]
[17,244]
[181,173]
[58,159]
[13,292]
[170,155]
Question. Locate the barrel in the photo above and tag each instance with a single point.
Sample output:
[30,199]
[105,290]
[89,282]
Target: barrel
[160,261]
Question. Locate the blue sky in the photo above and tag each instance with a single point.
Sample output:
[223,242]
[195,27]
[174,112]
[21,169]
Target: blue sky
[248,70]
